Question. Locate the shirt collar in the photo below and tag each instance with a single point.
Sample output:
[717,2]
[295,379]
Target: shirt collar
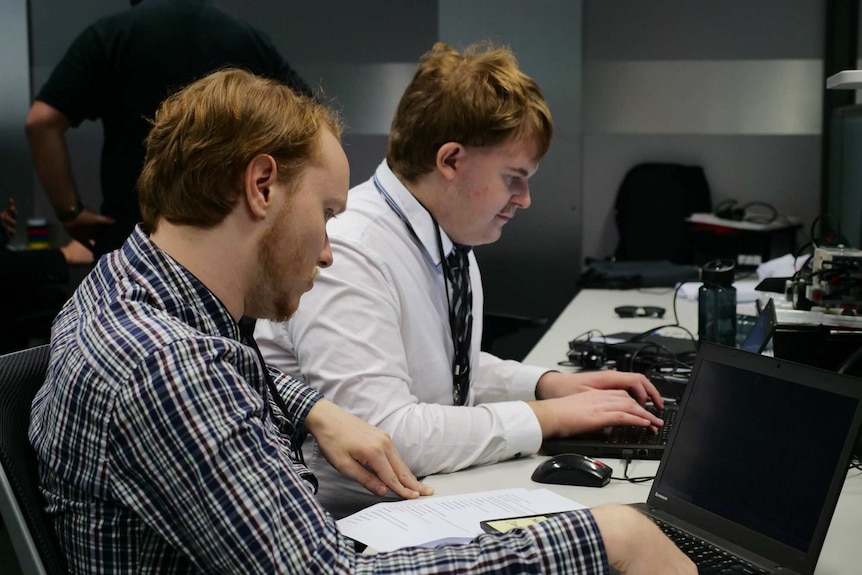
[180,293]
[414,213]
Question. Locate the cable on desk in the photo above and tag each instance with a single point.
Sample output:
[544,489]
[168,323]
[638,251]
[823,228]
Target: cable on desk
[675,319]
[591,354]
[645,361]
[586,353]
[625,477]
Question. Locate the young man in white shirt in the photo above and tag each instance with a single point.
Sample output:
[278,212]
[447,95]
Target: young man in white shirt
[379,333]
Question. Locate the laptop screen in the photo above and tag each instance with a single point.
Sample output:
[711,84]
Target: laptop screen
[758,445]
[762,330]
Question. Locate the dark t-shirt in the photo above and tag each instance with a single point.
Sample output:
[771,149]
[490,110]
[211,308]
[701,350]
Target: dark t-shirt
[121,67]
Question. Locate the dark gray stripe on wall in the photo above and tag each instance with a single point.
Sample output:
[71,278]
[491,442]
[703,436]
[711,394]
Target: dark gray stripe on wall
[703,29]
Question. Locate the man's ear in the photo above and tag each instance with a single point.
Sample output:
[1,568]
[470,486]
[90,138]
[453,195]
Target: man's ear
[449,158]
[260,174]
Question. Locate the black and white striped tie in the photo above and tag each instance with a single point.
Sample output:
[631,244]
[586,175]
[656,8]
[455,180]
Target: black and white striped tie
[460,320]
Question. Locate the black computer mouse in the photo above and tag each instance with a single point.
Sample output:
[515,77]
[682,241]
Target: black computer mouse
[573,469]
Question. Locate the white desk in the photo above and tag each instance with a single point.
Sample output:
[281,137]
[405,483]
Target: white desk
[594,310]
[842,552]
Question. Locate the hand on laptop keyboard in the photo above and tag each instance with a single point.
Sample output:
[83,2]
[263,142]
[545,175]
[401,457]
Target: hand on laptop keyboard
[570,404]
[631,434]
[555,384]
[590,411]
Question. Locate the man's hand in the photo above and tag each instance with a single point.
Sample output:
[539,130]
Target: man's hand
[8,218]
[589,411]
[362,452]
[572,403]
[85,227]
[635,546]
[77,254]
[555,384]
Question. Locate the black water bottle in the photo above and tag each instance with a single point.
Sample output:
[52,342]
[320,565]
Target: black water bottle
[716,303]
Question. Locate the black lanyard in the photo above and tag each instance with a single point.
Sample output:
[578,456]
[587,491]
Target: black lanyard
[460,377]
[246,329]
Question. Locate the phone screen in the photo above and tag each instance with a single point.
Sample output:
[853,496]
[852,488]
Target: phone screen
[509,523]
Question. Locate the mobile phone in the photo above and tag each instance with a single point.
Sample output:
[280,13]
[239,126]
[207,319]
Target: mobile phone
[509,523]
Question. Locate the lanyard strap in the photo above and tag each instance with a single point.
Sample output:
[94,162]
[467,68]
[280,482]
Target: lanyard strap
[246,329]
[460,345]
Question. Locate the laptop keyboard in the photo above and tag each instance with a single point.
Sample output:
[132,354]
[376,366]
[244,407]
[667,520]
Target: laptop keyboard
[710,560]
[643,435]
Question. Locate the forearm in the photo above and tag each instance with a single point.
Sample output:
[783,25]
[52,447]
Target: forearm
[46,129]
[554,384]
[436,438]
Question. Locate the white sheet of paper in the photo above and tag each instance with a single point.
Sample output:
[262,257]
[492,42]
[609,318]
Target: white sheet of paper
[453,518]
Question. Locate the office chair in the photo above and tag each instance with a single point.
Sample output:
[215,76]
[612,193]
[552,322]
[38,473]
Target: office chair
[33,538]
[652,204]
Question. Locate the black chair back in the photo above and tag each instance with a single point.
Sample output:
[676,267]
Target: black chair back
[21,375]
[652,204]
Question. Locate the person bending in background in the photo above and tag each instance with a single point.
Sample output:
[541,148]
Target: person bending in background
[392,333]
[32,284]
[162,443]
[118,70]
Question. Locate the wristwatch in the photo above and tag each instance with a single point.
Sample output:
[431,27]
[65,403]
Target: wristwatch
[70,214]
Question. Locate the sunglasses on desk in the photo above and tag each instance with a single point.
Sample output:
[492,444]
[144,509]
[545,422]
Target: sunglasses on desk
[640,311]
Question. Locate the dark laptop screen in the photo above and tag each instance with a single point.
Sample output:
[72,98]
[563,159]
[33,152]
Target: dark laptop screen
[758,450]
[762,330]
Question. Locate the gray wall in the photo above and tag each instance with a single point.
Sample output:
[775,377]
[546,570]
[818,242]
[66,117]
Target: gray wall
[735,87]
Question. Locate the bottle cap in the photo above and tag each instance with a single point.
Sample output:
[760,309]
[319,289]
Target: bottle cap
[718,272]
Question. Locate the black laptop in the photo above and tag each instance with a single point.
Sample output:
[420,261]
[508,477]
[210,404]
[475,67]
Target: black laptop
[630,442]
[742,475]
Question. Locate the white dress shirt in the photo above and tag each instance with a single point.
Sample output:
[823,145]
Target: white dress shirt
[373,336]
